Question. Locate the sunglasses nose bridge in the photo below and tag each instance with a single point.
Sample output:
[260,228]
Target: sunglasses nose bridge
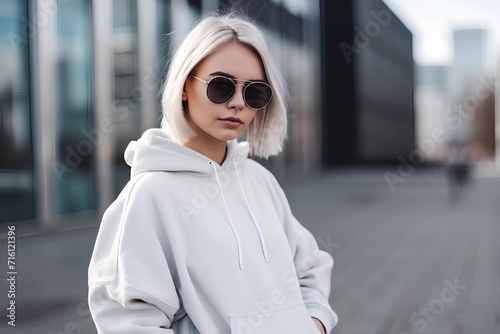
[239,93]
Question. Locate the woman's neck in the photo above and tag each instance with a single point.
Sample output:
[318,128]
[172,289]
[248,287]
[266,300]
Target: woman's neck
[212,149]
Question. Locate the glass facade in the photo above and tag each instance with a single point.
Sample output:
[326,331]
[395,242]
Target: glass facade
[75,193]
[163,30]
[16,155]
[126,116]
[97,69]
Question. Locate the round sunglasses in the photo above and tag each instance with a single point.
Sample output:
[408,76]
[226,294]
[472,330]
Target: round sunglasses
[220,89]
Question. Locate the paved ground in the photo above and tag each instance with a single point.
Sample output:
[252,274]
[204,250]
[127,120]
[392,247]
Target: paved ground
[407,259]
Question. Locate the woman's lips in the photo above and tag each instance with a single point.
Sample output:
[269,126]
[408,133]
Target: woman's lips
[232,119]
[232,122]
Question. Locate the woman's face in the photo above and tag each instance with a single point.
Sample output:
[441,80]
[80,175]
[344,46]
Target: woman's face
[228,120]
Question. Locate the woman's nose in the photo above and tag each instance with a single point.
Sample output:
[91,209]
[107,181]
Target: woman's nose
[238,100]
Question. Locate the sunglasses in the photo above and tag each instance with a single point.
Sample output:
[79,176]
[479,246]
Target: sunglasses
[220,89]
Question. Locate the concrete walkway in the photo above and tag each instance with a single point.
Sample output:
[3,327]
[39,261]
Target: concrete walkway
[407,258]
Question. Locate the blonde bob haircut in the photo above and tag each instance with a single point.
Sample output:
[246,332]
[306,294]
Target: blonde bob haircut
[268,130]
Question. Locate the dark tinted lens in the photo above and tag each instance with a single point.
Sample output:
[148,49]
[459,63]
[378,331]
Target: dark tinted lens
[220,90]
[258,95]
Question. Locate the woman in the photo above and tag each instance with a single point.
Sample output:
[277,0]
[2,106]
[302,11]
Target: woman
[202,239]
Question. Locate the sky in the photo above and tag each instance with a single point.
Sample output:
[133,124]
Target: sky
[432,23]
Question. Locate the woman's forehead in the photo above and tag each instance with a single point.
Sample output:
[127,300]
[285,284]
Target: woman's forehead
[235,60]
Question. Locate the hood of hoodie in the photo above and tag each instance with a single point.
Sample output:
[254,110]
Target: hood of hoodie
[154,151]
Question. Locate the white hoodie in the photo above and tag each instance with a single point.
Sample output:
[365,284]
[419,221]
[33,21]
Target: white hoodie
[193,247]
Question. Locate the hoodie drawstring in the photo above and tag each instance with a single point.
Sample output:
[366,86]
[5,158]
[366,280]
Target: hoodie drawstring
[254,220]
[233,227]
[235,232]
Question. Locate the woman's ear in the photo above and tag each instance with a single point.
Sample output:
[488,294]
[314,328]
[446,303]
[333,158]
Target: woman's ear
[184,93]
[185,88]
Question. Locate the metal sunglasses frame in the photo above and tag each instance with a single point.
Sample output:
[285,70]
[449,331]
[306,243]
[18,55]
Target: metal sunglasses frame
[245,85]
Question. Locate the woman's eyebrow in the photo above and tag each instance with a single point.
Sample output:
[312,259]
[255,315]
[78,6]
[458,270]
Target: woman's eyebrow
[223,74]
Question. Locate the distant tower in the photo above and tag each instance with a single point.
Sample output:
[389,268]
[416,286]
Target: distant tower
[469,59]
[467,73]
[431,98]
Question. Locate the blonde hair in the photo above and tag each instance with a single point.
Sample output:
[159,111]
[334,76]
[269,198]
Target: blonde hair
[268,130]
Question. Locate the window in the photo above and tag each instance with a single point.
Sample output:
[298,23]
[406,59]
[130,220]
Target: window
[16,163]
[127,120]
[76,192]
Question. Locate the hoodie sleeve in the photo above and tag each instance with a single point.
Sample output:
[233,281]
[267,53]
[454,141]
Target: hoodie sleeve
[313,267]
[131,289]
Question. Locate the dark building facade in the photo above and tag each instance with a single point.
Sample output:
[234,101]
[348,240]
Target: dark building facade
[367,66]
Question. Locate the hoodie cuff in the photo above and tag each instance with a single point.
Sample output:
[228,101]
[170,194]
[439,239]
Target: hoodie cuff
[327,319]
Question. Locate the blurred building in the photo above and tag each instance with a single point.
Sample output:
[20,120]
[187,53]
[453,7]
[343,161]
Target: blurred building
[80,79]
[469,59]
[456,104]
[368,83]
[16,156]
[482,145]
[469,86]
[431,101]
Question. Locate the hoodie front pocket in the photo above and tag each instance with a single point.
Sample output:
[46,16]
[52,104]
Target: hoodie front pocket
[291,319]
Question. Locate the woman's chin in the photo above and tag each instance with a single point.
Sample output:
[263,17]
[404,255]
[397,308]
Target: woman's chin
[229,135]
